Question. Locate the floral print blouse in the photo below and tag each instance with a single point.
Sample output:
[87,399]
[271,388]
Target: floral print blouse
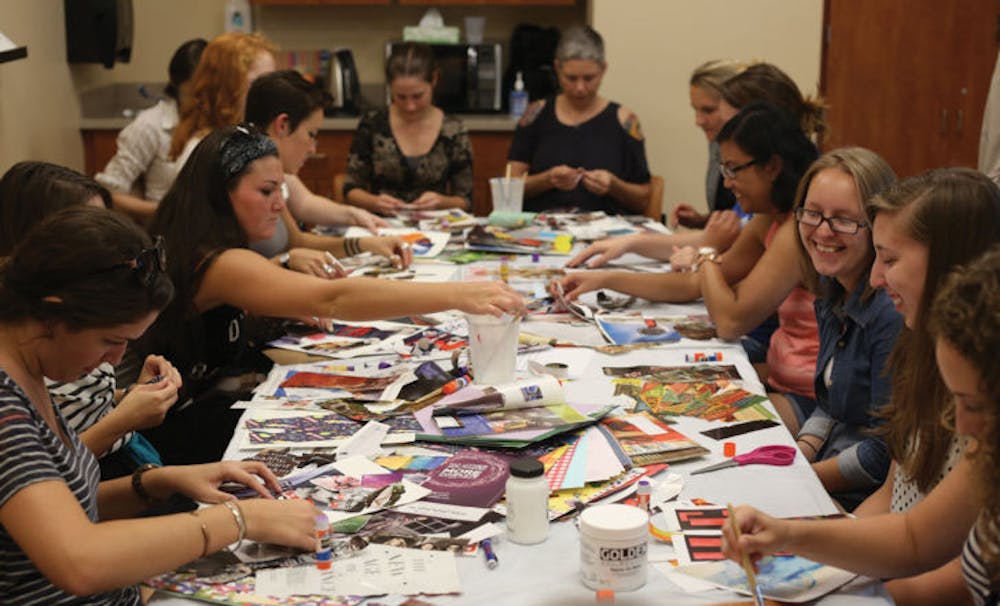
[377,165]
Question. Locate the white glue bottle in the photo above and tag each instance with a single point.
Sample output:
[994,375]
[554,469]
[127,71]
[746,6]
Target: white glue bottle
[527,501]
[518,97]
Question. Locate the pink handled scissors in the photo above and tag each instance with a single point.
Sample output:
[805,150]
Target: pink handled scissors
[764,455]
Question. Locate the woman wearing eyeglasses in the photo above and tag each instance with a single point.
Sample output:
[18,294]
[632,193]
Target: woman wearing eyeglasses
[228,196]
[76,290]
[858,325]
[764,154]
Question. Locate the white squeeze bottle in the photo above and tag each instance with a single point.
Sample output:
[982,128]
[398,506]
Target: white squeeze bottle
[238,17]
[527,500]
[518,97]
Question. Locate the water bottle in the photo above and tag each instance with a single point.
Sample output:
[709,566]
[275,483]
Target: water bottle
[518,98]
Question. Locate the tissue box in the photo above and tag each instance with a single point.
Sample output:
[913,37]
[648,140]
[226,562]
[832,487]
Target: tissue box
[443,34]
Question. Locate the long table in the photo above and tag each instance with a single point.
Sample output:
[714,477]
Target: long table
[548,573]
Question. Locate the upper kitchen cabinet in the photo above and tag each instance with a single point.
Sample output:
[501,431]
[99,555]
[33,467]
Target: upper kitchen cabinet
[416,2]
[323,2]
[491,2]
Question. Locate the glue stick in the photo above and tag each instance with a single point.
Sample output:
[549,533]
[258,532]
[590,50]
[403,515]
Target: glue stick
[324,553]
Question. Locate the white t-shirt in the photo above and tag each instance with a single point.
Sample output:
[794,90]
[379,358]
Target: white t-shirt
[144,149]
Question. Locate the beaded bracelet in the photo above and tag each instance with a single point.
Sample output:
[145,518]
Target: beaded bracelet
[234,508]
[204,534]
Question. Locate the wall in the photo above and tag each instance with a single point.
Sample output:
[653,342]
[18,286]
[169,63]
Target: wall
[652,46]
[39,111]
[365,29]
[160,26]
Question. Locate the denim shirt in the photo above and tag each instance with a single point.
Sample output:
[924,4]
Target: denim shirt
[858,337]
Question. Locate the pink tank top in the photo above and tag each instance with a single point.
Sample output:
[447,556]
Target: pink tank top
[791,357]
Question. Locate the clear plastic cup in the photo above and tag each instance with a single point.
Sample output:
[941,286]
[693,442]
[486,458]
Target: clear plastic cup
[474,28]
[493,348]
[508,194]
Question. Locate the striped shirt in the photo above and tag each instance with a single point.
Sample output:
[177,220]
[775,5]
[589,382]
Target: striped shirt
[974,569]
[86,401]
[30,452]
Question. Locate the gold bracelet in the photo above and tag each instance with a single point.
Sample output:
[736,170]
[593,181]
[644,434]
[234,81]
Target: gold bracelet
[204,534]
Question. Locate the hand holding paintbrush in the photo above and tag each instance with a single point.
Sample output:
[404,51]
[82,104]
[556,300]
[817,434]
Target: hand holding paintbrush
[744,558]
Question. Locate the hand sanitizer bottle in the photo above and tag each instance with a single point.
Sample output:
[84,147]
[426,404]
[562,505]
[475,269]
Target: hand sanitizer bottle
[238,17]
[518,98]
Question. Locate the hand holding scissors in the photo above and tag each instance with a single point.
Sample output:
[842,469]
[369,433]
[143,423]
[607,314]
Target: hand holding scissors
[764,455]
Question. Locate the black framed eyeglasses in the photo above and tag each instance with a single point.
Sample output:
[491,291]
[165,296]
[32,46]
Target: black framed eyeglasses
[729,172]
[841,225]
[148,263]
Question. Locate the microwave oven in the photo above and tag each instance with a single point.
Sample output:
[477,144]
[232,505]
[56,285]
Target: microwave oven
[469,77]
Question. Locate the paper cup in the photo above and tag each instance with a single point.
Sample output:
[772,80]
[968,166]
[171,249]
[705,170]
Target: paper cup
[493,348]
[508,194]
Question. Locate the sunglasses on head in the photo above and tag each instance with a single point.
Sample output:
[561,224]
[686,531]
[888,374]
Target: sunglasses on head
[146,264]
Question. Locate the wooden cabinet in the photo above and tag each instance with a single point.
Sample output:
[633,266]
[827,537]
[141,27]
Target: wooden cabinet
[909,79]
[489,158]
[99,146]
[416,2]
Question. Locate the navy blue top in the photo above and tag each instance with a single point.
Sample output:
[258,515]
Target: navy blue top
[541,141]
[856,336]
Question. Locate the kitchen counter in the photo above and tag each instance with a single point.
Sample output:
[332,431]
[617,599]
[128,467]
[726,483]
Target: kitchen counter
[473,122]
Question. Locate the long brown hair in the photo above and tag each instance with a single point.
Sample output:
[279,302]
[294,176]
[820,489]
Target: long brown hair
[766,82]
[218,86]
[871,174]
[955,213]
[966,315]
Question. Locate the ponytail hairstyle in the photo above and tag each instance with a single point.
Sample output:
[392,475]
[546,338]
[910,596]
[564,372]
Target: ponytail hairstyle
[411,59]
[766,82]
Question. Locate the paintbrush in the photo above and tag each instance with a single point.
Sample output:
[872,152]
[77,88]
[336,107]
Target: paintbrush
[758,598]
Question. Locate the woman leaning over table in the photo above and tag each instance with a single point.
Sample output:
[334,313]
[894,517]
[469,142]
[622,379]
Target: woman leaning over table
[764,154]
[105,419]
[578,149]
[718,92]
[228,196]
[914,231]
[410,154]
[230,65]
[143,147]
[81,285]
[963,508]
[290,110]
[722,227]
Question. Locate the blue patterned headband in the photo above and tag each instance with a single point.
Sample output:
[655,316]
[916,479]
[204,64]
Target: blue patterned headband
[243,146]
